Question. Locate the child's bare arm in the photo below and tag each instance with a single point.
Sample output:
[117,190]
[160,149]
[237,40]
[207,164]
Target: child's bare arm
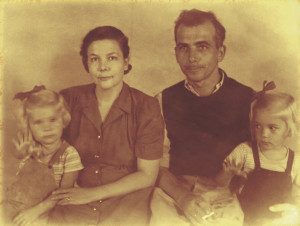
[29,215]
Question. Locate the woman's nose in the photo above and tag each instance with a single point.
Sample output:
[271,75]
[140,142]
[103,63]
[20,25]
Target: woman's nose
[102,66]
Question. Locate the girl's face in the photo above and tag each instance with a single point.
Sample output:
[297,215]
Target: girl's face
[270,130]
[46,125]
[106,63]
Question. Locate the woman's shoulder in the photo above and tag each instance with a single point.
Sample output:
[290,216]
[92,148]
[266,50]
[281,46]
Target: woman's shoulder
[142,98]
[78,90]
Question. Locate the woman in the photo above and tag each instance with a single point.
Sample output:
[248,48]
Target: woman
[118,132]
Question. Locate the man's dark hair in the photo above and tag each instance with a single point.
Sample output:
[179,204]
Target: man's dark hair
[195,17]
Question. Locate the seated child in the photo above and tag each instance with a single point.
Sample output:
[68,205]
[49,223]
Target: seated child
[270,168]
[48,162]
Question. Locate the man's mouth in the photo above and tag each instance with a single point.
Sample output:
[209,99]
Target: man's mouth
[194,68]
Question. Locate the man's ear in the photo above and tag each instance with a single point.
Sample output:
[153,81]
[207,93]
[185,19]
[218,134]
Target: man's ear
[221,53]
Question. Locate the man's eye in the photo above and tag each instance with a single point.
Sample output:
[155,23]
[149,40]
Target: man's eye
[182,48]
[202,47]
[257,126]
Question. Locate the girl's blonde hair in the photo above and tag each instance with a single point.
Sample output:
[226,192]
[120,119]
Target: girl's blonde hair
[279,104]
[39,99]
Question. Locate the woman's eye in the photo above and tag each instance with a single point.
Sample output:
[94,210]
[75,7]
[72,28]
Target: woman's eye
[112,58]
[273,128]
[93,59]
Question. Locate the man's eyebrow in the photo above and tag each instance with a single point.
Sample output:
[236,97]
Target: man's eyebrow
[181,44]
[201,43]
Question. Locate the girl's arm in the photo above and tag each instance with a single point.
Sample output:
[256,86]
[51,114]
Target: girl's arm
[27,216]
[230,168]
[233,164]
[144,177]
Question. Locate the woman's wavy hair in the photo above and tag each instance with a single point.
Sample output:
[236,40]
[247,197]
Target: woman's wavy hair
[101,33]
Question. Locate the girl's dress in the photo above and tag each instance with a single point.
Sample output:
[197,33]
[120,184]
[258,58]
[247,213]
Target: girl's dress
[264,188]
[109,150]
[35,180]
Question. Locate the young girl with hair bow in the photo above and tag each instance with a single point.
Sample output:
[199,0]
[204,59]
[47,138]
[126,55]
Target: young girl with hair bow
[48,162]
[270,169]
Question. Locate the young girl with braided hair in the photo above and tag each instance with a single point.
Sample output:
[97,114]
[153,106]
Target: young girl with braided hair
[48,162]
[270,169]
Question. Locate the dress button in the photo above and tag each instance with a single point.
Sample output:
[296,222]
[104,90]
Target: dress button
[96,156]
[94,208]
[99,137]
[100,201]
[96,171]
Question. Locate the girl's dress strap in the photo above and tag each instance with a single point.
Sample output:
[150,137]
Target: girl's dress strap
[255,155]
[58,153]
[290,161]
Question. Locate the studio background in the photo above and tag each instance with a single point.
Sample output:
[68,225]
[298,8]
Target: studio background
[41,44]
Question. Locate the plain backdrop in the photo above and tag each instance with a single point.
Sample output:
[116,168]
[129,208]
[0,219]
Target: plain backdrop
[41,44]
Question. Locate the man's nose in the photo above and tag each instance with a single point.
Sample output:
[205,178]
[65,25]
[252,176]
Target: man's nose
[193,55]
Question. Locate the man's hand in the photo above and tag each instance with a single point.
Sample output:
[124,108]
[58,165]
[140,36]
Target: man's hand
[194,207]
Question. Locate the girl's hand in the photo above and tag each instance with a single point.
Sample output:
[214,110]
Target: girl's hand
[73,196]
[22,143]
[233,167]
[26,217]
[290,213]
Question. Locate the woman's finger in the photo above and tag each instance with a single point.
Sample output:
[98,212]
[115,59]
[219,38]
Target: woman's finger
[60,196]
[62,191]
[65,201]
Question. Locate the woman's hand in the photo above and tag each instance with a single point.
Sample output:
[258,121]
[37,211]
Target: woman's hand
[73,196]
[26,217]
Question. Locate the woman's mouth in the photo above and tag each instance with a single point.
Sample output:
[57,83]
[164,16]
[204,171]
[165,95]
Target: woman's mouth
[104,78]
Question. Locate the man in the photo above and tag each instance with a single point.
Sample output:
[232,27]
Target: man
[206,115]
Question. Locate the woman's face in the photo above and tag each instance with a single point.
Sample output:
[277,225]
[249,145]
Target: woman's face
[106,63]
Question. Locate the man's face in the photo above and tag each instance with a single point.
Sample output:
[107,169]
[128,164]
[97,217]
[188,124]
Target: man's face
[196,51]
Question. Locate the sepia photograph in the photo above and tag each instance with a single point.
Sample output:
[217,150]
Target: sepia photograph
[150,112]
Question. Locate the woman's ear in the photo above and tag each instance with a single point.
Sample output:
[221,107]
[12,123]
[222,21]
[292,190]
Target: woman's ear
[126,64]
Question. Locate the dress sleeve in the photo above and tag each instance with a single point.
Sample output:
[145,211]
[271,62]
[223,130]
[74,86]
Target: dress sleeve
[238,155]
[150,130]
[165,161]
[72,162]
